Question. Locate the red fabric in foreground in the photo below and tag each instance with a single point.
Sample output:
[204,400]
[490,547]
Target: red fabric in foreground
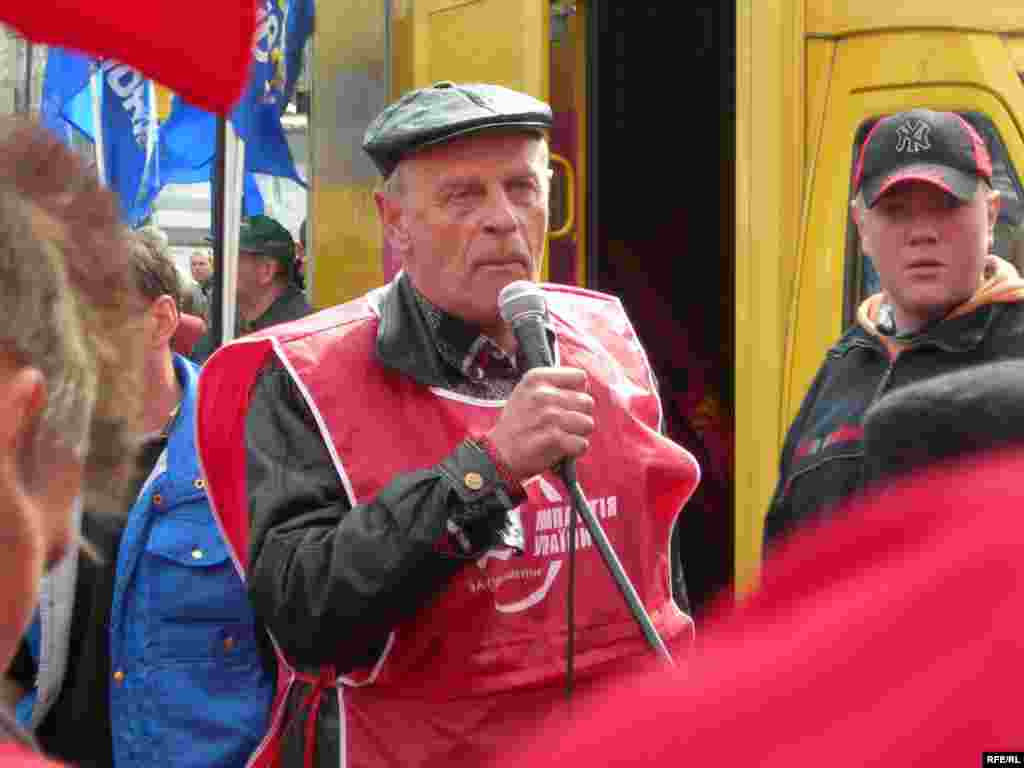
[12,755]
[892,637]
[200,49]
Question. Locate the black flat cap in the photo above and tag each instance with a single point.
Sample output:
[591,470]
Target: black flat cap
[443,111]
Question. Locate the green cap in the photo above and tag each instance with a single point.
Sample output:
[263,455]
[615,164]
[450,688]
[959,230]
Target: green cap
[444,111]
[265,236]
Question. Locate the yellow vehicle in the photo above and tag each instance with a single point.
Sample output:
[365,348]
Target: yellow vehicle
[812,78]
[703,157]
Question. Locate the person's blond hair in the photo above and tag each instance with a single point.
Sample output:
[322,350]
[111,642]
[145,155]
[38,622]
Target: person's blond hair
[69,306]
[42,329]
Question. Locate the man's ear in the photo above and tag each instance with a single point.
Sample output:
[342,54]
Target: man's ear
[22,399]
[23,395]
[392,218]
[857,213]
[165,319]
[993,203]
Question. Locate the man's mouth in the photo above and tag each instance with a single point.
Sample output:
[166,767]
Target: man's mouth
[504,261]
[925,264]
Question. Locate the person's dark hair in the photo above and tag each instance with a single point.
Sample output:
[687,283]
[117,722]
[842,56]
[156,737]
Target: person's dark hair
[80,220]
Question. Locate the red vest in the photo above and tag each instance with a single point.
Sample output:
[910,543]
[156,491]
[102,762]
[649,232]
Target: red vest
[499,628]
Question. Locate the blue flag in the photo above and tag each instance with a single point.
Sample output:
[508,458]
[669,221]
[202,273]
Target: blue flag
[127,133]
[66,76]
[252,198]
[298,27]
[188,138]
[129,138]
[187,146]
[257,118]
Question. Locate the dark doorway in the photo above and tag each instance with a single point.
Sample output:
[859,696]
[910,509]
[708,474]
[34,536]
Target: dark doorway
[661,89]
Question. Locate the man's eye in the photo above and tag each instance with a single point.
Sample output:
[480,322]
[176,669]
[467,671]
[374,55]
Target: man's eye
[893,209]
[522,187]
[951,202]
[463,194]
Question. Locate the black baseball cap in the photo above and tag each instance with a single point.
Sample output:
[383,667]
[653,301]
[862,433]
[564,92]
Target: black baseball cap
[940,148]
[444,111]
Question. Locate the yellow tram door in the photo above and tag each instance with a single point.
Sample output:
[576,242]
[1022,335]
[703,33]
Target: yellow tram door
[365,56]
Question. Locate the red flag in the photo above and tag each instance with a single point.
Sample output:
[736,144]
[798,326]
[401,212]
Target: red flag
[200,49]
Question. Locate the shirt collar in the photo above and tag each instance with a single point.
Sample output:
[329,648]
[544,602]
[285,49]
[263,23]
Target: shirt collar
[461,345]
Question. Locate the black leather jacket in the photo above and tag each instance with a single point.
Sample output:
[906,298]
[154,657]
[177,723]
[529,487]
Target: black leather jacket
[823,455]
[290,305]
[331,580]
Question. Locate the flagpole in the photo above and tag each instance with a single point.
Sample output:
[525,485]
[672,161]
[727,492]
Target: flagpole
[95,83]
[234,160]
[28,77]
[217,215]
[229,164]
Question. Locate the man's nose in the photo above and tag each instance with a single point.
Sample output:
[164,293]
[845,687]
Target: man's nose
[500,216]
[922,234]
[922,227]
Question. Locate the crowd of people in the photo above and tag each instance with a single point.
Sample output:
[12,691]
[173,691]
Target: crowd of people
[347,537]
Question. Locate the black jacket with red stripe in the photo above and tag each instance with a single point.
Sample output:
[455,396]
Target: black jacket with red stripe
[823,455]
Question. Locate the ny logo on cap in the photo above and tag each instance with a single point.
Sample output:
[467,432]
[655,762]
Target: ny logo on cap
[913,136]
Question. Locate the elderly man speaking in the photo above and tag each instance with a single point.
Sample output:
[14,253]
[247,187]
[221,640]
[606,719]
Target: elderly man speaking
[385,465]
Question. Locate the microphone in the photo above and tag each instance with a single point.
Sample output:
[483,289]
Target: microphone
[523,306]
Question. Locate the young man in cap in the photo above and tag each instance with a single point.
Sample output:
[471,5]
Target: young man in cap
[925,211]
[389,480]
[269,284]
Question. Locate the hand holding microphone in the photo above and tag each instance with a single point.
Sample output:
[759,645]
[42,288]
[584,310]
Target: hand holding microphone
[549,416]
[545,424]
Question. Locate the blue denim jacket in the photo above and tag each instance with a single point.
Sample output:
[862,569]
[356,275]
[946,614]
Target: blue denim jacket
[188,687]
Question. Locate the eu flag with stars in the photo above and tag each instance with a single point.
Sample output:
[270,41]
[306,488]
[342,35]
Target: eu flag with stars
[188,138]
[298,28]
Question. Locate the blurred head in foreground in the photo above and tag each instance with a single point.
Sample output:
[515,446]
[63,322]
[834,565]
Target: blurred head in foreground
[69,361]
